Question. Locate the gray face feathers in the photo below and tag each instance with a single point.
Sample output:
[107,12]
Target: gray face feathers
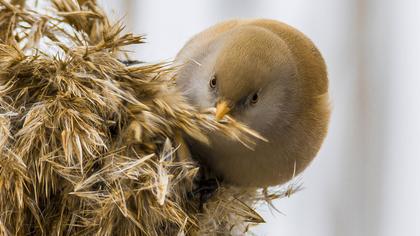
[272,78]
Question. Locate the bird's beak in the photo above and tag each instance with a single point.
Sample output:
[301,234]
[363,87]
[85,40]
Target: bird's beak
[222,108]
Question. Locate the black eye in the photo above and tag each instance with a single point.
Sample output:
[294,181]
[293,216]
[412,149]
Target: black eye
[254,98]
[213,82]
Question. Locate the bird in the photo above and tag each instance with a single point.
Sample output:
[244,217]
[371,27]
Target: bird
[272,78]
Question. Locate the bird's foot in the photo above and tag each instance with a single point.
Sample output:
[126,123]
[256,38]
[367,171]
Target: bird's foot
[206,188]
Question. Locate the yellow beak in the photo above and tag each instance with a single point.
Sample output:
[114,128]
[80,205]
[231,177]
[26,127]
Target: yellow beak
[222,109]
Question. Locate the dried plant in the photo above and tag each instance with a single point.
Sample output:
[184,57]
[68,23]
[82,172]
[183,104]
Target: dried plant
[89,146]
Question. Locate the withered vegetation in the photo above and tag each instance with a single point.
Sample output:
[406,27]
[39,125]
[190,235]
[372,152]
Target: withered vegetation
[89,146]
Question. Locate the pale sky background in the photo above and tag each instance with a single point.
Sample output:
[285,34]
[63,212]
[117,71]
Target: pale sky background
[365,180]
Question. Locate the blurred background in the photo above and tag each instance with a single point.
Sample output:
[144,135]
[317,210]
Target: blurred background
[365,180]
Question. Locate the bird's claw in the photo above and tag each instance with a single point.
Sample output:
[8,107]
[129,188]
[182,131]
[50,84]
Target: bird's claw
[206,188]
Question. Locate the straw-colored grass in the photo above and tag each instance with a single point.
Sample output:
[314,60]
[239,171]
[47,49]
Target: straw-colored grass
[89,146]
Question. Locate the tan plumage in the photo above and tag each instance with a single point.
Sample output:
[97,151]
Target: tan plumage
[269,76]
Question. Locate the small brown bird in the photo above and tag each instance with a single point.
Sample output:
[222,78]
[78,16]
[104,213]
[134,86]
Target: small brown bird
[269,76]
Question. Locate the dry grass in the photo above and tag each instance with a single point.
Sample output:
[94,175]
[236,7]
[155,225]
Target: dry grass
[88,146]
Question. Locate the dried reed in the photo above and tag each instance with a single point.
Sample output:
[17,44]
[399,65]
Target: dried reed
[89,146]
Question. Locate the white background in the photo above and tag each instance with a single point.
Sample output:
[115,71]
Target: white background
[365,180]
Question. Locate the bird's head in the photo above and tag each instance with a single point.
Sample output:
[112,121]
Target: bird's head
[253,77]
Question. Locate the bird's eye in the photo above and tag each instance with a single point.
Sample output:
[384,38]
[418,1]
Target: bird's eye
[213,82]
[254,98]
